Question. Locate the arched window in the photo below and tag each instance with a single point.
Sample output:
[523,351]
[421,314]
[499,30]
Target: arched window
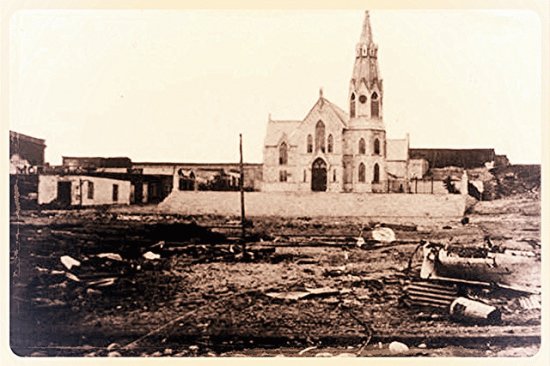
[320,136]
[376,147]
[309,144]
[352,105]
[283,154]
[362,173]
[374,105]
[330,143]
[376,175]
[362,148]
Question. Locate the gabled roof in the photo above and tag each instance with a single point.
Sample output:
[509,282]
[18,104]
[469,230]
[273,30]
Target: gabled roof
[276,129]
[397,150]
[342,115]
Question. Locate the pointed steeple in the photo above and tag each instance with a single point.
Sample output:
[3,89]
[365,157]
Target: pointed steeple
[366,85]
[366,33]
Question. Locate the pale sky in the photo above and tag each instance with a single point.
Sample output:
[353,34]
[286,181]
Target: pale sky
[179,85]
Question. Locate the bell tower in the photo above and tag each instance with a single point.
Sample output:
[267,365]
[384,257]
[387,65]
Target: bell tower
[365,137]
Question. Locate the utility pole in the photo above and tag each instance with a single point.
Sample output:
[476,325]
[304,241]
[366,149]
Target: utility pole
[241,186]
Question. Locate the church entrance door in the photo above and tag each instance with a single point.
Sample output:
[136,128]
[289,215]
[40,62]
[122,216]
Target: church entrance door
[319,176]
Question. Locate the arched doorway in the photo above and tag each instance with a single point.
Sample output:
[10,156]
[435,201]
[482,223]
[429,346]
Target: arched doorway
[319,175]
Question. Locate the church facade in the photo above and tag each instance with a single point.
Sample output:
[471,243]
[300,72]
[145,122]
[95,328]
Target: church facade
[335,150]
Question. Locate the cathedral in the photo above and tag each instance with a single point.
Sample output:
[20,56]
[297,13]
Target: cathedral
[335,150]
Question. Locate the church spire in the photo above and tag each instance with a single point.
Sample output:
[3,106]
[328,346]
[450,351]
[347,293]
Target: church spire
[366,33]
[366,86]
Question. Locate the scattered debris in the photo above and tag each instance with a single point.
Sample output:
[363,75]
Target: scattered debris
[398,348]
[431,294]
[306,350]
[91,291]
[530,302]
[290,295]
[112,256]
[113,346]
[69,262]
[104,282]
[479,266]
[151,256]
[71,276]
[383,234]
[470,311]
[298,295]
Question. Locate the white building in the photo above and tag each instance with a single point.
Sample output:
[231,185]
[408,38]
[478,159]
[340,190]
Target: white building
[337,151]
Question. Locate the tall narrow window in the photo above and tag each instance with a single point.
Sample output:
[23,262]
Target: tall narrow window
[352,105]
[362,148]
[115,192]
[320,136]
[283,154]
[376,147]
[334,175]
[376,175]
[90,190]
[330,143]
[361,173]
[283,176]
[374,105]
[309,144]
[305,176]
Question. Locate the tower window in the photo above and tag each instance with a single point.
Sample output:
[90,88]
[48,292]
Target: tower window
[374,105]
[376,175]
[283,154]
[334,175]
[283,176]
[352,105]
[320,136]
[309,144]
[361,173]
[330,143]
[376,147]
[305,176]
[362,148]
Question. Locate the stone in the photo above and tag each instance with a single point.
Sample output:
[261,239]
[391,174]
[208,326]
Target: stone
[397,348]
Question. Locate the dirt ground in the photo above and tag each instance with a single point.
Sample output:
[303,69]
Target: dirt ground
[203,297]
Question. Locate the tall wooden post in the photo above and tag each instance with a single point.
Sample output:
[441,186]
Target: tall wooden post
[241,186]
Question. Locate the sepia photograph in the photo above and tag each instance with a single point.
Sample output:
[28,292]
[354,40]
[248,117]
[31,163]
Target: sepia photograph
[202,182]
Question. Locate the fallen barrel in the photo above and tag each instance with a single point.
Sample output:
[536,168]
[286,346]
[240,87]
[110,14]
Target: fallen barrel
[471,311]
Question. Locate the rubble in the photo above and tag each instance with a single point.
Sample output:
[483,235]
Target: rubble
[383,234]
[151,256]
[204,292]
[69,262]
[112,256]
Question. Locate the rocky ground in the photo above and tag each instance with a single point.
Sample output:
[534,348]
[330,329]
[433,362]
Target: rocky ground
[150,284]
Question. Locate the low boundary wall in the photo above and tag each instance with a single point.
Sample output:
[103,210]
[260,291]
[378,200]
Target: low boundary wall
[315,204]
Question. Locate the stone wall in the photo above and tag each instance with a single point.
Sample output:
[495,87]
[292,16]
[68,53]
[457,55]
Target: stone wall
[292,204]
